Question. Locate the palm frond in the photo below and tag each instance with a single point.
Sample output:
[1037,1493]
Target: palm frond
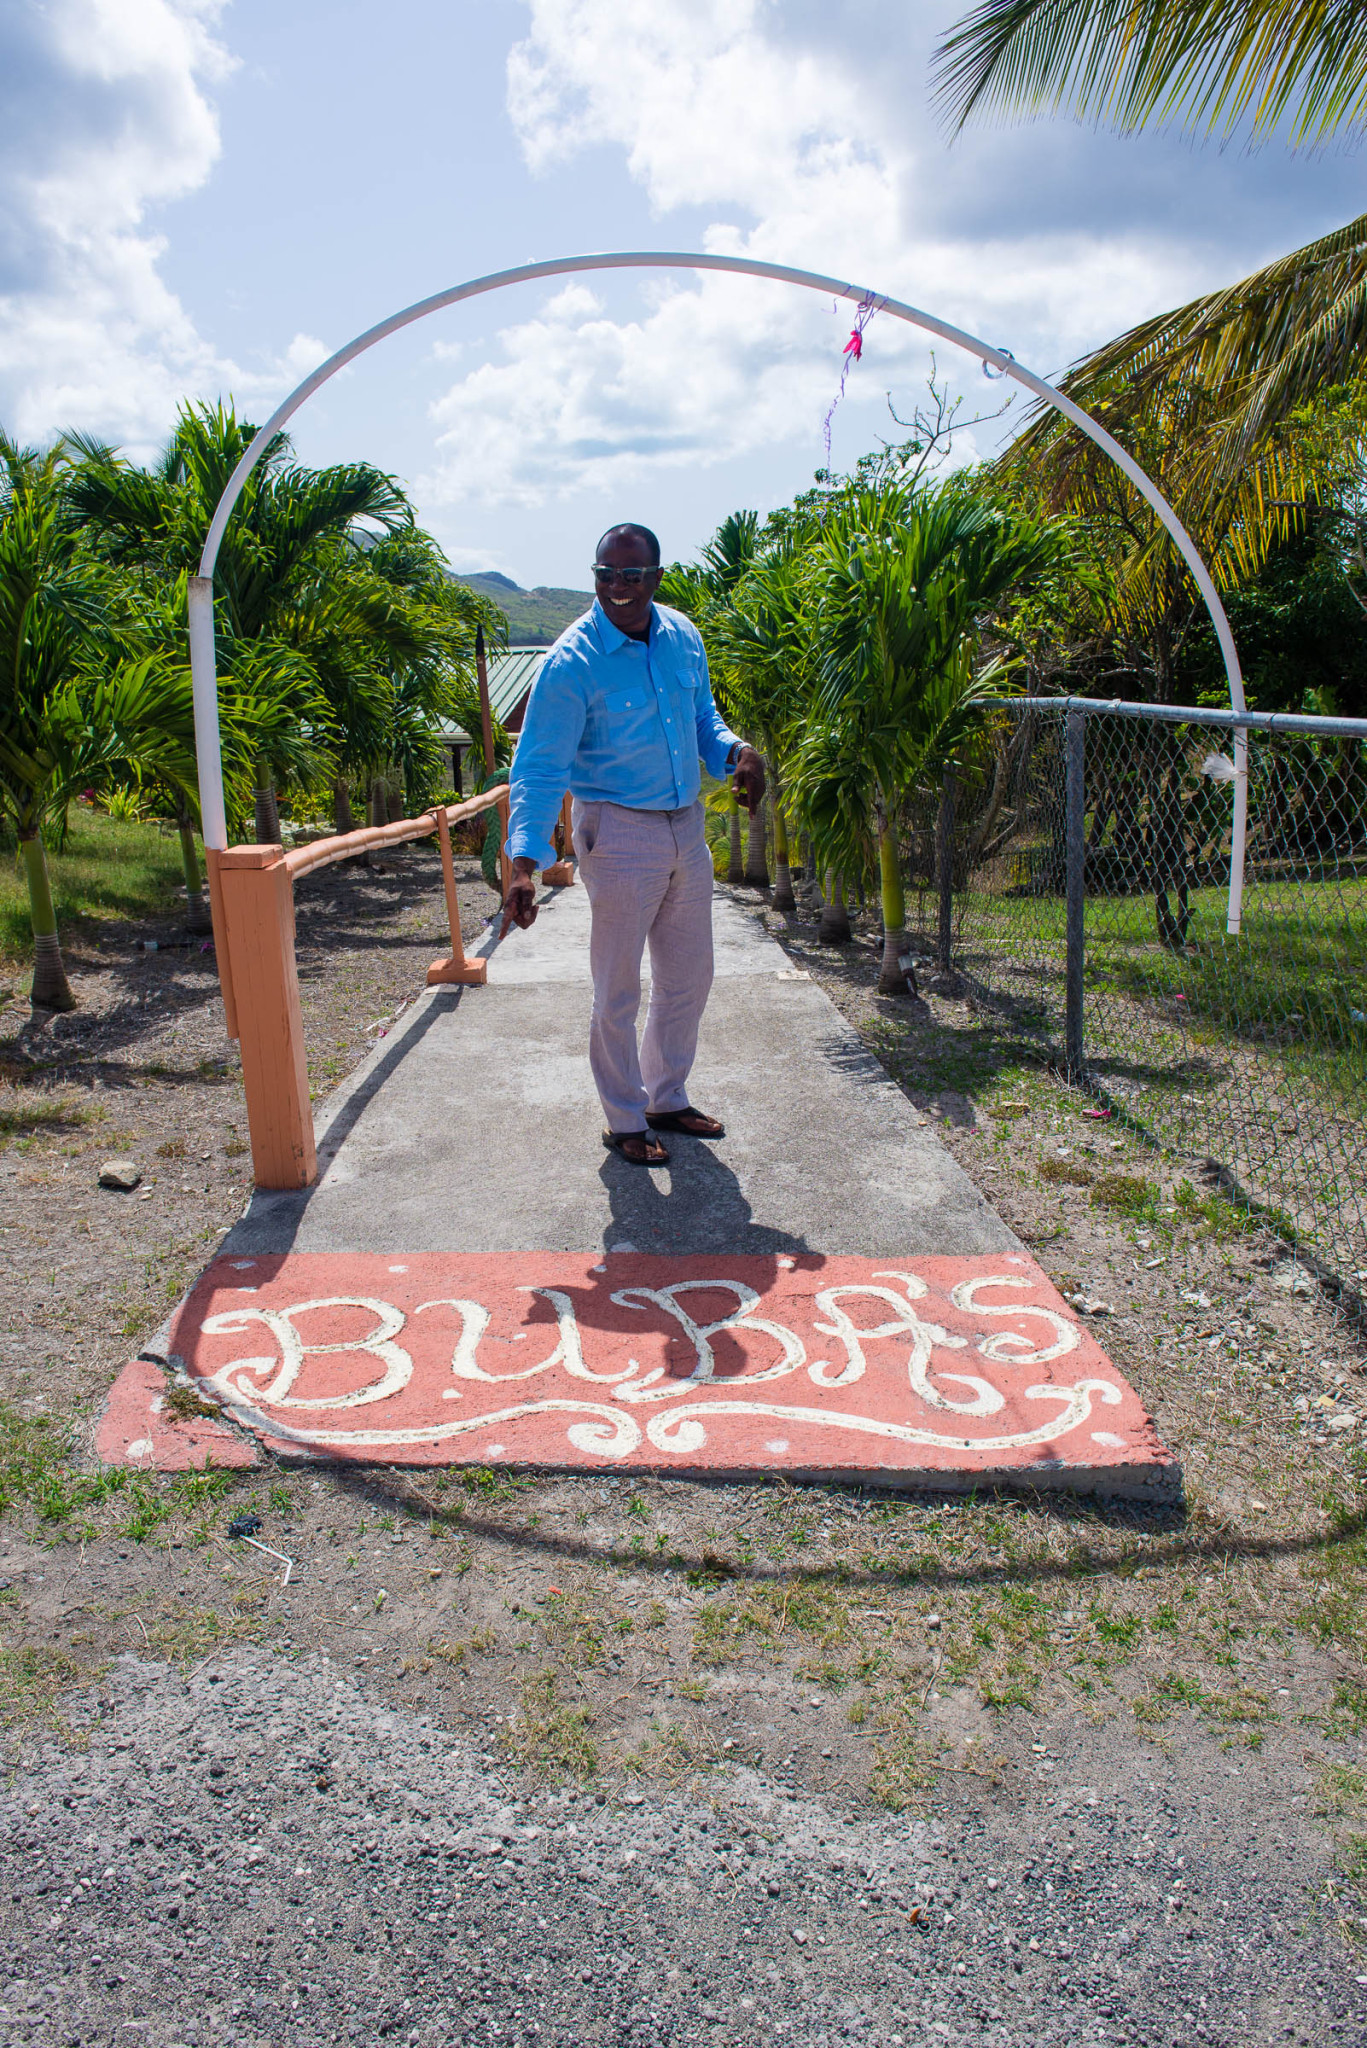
[1209,65]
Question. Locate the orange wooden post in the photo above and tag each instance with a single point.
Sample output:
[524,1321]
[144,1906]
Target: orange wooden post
[212,857]
[473,973]
[256,892]
[561,874]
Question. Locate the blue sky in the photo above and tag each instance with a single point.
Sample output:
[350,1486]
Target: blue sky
[201,198]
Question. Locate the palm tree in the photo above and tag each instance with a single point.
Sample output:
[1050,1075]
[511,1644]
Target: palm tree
[767,648]
[285,528]
[1271,342]
[704,592]
[75,710]
[904,583]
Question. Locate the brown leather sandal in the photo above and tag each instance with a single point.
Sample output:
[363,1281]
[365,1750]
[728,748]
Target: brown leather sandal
[691,1122]
[638,1148]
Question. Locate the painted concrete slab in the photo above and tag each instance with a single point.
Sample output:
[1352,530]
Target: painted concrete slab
[822,1293]
[940,1372]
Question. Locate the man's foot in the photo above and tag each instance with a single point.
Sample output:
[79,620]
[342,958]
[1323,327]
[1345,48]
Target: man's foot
[691,1122]
[638,1148]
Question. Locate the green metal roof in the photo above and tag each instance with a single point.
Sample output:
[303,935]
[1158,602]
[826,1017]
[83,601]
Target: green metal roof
[511,675]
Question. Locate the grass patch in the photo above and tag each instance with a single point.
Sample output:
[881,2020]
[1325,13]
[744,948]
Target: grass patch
[903,1769]
[725,1629]
[56,1119]
[1063,1173]
[458,1654]
[548,1735]
[574,1629]
[1223,1709]
[1338,1791]
[186,1637]
[29,1681]
[109,868]
[1128,1195]
[674,1753]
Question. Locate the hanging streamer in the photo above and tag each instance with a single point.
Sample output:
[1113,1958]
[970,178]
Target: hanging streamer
[852,353]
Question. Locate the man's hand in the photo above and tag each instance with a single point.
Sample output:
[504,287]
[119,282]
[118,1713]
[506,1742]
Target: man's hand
[749,779]
[519,905]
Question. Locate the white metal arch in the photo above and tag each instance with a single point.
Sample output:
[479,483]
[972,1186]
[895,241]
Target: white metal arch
[207,743]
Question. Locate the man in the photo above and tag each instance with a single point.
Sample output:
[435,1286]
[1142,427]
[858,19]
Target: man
[619,715]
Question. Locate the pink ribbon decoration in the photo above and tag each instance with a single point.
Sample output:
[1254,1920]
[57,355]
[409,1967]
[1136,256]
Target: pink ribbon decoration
[852,352]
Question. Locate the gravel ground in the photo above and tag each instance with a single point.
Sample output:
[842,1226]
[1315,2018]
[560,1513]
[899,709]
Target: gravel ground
[259,1852]
[1017,1713]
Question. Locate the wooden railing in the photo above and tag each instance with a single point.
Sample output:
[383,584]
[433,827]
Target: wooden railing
[252,893]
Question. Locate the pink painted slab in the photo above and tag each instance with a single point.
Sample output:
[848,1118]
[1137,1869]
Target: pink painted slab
[926,1371]
[137,1430]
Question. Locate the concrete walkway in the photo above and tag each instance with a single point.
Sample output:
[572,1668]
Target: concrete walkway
[822,1294]
[474,1126]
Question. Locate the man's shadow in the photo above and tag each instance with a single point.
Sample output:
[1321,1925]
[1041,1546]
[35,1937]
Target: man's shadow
[695,1204]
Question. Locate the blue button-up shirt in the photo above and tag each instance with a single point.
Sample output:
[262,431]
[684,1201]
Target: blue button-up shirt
[615,721]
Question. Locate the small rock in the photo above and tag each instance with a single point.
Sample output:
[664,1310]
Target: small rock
[120,1174]
[932,1621]
[799,1935]
[1085,1306]
[1292,1279]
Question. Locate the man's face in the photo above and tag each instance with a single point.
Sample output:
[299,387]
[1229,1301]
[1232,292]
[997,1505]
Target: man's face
[627,604]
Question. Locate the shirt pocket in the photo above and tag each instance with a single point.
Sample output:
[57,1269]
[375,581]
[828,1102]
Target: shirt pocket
[622,718]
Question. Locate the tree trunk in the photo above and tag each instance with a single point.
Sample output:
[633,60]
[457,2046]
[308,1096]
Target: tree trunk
[894,980]
[834,927]
[196,909]
[343,817]
[375,814]
[756,862]
[267,810]
[784,898]
[735,867]
[51,989]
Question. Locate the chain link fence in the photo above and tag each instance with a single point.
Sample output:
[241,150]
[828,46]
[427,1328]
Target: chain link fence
[1079,880]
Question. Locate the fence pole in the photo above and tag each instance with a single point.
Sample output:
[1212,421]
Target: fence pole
[1075,828]
[472,973]
[944,869]
[257,893]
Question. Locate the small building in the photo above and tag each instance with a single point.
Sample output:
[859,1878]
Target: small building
[511,675]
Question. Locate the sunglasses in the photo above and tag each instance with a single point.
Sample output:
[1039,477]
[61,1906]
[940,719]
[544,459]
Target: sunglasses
[603,572]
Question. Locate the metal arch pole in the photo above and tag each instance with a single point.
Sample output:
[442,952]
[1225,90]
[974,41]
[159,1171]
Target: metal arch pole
[210,764]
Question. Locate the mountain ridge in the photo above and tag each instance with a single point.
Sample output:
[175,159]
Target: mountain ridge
[535,617]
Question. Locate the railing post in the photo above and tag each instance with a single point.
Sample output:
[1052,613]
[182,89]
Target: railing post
[257,897]
[1075,861]
[561,874]
[470,973]
[505,866]
[944,870]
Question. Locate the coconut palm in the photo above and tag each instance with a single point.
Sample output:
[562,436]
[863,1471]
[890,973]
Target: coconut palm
[1269,343]
[74,710]
[704,591]
[903,585]
[764,638]
[285,531]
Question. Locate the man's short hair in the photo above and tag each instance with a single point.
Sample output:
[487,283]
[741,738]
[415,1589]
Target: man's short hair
[638,533]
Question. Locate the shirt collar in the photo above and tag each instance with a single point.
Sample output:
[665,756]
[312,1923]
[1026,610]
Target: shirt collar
[610,638]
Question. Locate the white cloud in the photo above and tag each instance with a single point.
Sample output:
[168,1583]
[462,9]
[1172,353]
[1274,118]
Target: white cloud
[106,115]
[798,158]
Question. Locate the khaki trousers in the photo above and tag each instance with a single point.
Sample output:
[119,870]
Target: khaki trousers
[648,875]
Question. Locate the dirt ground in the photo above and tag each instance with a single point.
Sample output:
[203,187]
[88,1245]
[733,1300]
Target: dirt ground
[989,1663]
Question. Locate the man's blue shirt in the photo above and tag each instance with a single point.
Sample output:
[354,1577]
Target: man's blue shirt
[615,721]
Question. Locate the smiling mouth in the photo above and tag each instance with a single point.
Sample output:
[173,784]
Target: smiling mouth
[621,600]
